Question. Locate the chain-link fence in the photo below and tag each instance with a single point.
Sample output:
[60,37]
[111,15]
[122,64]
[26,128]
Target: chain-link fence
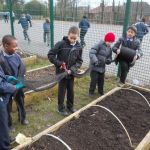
[103,15]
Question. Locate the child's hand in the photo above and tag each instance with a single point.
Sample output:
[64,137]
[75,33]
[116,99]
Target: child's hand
[63,66]
[12,79]
[118,51]
[134,59]
[19,86]
[69,72]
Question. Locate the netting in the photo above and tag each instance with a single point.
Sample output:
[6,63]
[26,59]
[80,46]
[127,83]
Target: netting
[103,15]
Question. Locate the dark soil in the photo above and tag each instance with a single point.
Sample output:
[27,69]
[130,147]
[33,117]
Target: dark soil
[39,78]
[96,129]
[132,110]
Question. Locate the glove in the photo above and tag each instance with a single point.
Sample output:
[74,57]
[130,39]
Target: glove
[19,86]
[12,79]
[118,51]
[108,61]
[96,63]
[63,66]
[134,59]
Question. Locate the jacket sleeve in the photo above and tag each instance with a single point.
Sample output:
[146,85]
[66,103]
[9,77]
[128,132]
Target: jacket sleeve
[109,58]
[52,54]
[146,30]
[5,87]
[78,64]
[92,54]
[117,45]
[138,50]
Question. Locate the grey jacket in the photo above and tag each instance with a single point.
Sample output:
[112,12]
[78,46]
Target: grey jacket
[100,55]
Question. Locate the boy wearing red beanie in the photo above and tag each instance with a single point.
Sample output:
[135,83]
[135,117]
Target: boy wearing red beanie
[100,55]
[125,47]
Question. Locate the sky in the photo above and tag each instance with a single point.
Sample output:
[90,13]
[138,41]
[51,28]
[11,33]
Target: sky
[95,3]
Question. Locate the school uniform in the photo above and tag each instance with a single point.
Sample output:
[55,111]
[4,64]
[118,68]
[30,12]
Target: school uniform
[63,51]
[12,65]
[125,65]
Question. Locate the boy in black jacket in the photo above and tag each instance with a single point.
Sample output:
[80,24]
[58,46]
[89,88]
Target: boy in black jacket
[129,41]
[66,56]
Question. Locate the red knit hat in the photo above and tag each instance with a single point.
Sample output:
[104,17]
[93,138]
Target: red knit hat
[109,37]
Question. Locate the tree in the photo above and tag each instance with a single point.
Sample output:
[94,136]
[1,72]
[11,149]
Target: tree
[35,8]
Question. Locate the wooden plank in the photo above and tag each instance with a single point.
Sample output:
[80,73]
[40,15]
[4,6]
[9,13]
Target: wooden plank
[65,120]
[40,68]
[145,143]
[140,88]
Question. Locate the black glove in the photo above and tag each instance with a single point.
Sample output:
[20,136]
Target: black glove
[96,64]
[108,61]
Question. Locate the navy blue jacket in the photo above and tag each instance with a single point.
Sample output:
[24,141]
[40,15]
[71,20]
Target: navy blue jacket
[141,29]
[13,65]
[84,24]
[6,89]
[46,27]
[24,22]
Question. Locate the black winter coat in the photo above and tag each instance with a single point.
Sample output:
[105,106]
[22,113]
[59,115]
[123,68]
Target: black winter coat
[63,51]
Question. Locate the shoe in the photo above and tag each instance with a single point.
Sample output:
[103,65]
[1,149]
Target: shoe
[25,122]
[120,84]
[71,110]
[12,129]
[63,112]
[91,94]
[12,140]
[101,93]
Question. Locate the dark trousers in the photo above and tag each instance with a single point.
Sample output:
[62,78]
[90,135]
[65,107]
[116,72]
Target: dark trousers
[97,79]
[19,99]
[66,85]
[124,69]
[82,35]
[4,131]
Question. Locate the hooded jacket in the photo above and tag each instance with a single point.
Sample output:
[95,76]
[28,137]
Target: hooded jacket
[63,51]
[101,54]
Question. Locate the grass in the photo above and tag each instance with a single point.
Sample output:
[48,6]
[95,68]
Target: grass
[41,106]
[39,63]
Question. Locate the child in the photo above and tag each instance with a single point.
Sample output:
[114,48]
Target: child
[12,65]
[83,25]
[66,56]
[46,34]
[6,90]
[100,55]
[129,41]
[25,26]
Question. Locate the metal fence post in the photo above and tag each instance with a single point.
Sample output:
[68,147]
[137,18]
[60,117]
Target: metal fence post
[51,10]
[125,26]
[9,3]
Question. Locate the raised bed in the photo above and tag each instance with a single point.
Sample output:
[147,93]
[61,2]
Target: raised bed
[95,128]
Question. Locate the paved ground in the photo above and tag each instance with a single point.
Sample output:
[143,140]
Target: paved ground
[140,72]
